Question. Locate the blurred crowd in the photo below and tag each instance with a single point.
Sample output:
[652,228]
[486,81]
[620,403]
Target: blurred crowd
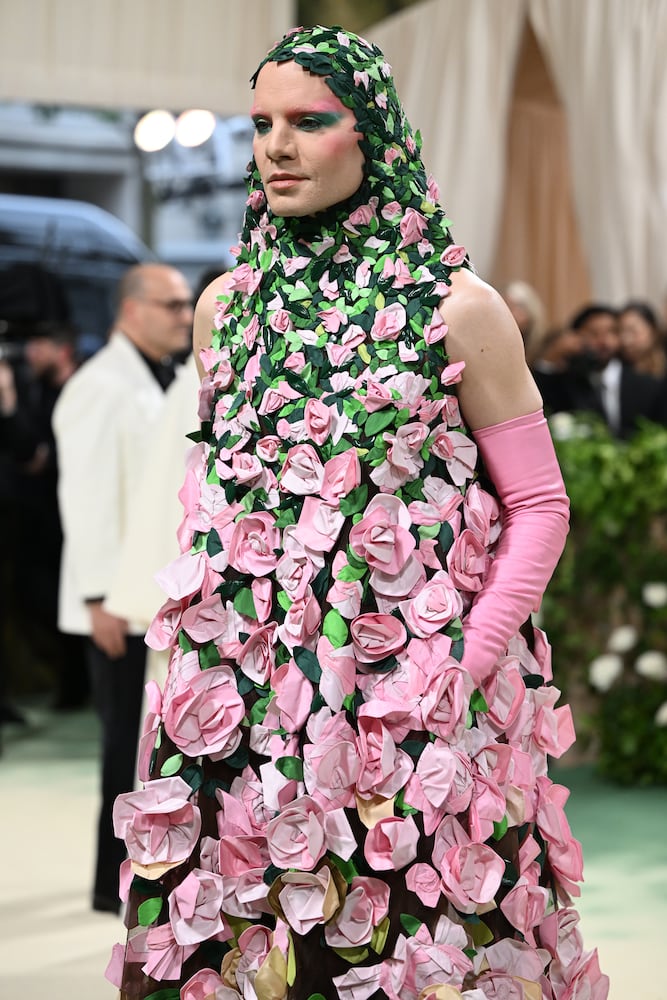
[610,361]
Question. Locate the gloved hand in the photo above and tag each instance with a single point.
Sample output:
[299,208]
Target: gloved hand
[520,459]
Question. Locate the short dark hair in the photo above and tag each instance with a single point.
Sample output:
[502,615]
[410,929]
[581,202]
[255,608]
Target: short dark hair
[589,312]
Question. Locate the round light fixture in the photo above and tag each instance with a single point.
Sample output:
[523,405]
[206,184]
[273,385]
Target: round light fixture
[194,127]
[154,131]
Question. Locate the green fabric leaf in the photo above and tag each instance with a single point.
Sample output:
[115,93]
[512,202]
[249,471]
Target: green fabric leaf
[410,924]
[455,630]
[308,663]
[172,765]
[352,955]
[378,421]
[184,642]
[213,543]
[290,767]
[478,702]
[209,656]
[149,911]
[258,710]
[244,603]
[335,629]
[347,869]
[500,829]
[168,994]
[380,933]
[284,601]
[350,574]
[354,501]
[238,760]
[428,530]
[194,776]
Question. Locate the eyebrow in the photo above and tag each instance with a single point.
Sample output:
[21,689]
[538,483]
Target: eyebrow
[323,107]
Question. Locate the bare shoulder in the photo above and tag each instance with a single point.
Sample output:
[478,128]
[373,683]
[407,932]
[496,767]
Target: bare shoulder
[478,318]
[497,384]
[205,314]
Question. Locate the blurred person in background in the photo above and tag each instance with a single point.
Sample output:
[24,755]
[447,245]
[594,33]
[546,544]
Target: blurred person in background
[529,315]
[642,340]
[29,388]
[104,423]
[580,370]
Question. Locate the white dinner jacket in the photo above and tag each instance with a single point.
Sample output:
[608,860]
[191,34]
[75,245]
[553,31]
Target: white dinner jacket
[103,422]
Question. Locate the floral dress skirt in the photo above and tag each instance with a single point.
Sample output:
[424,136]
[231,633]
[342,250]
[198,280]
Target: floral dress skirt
[331,807]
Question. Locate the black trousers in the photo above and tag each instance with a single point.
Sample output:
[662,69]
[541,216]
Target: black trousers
[117,687]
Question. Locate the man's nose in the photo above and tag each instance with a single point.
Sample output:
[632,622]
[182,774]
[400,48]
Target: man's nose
[280,142]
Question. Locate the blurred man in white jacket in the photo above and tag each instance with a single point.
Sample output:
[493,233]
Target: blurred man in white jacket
[104,423]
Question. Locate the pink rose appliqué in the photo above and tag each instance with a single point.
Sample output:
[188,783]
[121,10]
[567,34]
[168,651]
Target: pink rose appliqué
[204,715]
[159,823]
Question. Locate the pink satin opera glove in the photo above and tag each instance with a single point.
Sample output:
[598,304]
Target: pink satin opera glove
[520,459]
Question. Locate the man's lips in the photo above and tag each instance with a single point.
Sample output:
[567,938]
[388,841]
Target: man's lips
[284,180]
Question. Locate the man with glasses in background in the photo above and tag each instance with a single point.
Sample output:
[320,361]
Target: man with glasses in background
[103,423]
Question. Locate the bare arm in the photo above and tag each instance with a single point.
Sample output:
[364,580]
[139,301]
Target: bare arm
[497,384]
[204,315]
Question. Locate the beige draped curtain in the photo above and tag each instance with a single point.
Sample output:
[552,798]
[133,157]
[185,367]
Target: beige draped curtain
[137,54]
[453,64]
[608,60]
[539,240]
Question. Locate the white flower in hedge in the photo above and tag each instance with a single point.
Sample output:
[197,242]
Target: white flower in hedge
[622,639]
[654,595]
[563,426]
[604,670]
[661,715]
[652,664]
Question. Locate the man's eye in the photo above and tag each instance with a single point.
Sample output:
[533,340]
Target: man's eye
[310,123]
[262,126]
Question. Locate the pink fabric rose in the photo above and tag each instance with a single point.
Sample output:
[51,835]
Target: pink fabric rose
[158,822]
[317,417]
[444,706]
[296,836]
[389,322]
[204,715]
[366,905]
[338,672]
[436,330]
[525,906]
[195,908]
[467,562]
[376,636]
[392,843]
[344,595]
[252,545]
[453,256]
[302,472]
[302,622]
[257,656]
[382,537]
[411,226]
[457,451]
[207,984]
[341,475]
[268,447]
[294,694]
[471,875]
[307,898]
[320,524]
[424,881]
[384,769]
[434,607]
[330,761]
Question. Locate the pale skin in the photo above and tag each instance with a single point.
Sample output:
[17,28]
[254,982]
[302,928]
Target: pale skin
[497,385]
